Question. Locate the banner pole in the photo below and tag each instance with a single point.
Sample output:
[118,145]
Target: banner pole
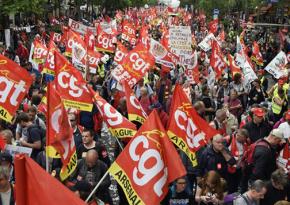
[97,186]
[119,143]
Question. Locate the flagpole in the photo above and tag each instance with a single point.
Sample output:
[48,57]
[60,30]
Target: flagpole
[97,186]
[120,145]
[47,134]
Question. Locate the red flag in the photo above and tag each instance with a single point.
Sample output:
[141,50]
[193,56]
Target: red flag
[14,84]
[71,85]
[105,42]
[93,59]
[134,108]
[59,132]
[186,128]
[221,36]
[118,125]
[233,66]
[217,60]
[121,53]
[213,26]
[72,38]
[48,67]
[2,143]
[135,65]
[90,40]
[256,54]
[129,32]
[56,37]
[40,52]
[148,164]
[43,188]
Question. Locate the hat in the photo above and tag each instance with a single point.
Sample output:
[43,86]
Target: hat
[6,157]
[287,115]
[277,133]
[259,112]
[281,82]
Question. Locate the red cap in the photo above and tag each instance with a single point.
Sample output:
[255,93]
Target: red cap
[259,112]
[280,82]
[287,115]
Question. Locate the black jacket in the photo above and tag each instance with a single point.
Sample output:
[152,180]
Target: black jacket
[264,162]
[258,132]
[211,160]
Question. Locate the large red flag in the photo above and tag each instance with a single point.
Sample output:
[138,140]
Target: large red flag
[105,42]
[14,84]
[134,108]
[36,187]
[129,32]
[118,125]
[186,128]
[135,65]
[71,85]
[148,164]
[59,132]
[217,60]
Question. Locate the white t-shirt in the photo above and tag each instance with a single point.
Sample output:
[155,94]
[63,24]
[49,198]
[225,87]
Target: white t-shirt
[285,128]
[5,197]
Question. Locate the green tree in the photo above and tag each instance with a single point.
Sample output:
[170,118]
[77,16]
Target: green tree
[26,6]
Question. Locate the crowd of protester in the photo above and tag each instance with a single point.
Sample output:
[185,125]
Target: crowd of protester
[239,166]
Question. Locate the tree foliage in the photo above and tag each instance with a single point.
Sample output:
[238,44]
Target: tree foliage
[26,6]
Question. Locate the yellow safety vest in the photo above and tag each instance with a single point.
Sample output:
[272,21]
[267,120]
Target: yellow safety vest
[275,107]
[285,88]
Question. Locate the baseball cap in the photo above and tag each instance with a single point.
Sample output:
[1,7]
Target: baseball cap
[280,82]
[277,133]
[259,112]
[287,115]
[5,157]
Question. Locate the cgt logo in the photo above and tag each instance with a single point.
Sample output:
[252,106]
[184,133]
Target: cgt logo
[114,118]
[104,41]
[11,88]
[66,80]
[149,164]
[50,60]
[134,102]
[139,63]
[193,135]
[39,52]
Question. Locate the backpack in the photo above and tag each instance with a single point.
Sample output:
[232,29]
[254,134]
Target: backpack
[248,158]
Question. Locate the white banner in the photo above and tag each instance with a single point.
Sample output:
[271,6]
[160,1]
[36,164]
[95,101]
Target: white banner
[180,40]
[13,150]
[205,44]
[80,28]
[249,74]
[277,67]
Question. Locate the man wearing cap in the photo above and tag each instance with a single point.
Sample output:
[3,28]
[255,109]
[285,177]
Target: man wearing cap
[258,128]
[264,157]
[285,126]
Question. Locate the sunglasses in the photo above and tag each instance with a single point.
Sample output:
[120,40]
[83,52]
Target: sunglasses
[181,182]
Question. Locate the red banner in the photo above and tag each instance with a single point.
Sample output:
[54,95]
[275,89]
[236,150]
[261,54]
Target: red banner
[233,66]
[59,132]
[134,108]
[56,37]
[135,65]
[148,164]
[14,85]
[187,129]
[213,26]
[118,125]
[71,85]
[216,59]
